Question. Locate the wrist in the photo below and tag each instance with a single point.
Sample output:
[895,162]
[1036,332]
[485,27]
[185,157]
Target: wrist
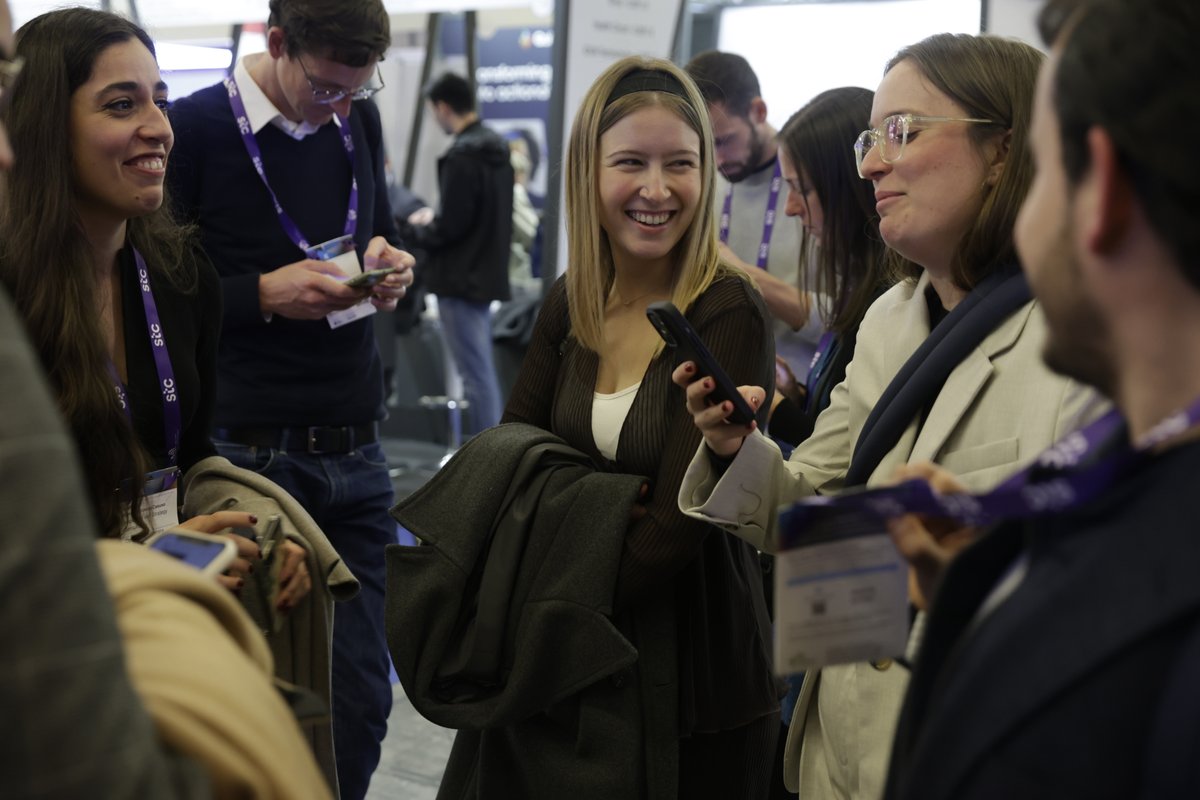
[265,306]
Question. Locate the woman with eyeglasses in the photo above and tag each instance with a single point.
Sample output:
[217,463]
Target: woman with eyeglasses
[837,211]
[947,366]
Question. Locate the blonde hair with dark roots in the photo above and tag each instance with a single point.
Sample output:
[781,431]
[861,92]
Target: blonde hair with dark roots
[590,270]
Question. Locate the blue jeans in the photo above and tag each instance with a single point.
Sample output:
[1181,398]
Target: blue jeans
[349,496]
[467,329]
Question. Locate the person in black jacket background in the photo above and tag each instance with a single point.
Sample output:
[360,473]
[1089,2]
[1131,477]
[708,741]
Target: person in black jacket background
[468,241]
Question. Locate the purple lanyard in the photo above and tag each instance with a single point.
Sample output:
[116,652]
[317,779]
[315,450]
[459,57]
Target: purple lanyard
[816,367]
[172,416]
[1078,468]
[764,246]
[289,226]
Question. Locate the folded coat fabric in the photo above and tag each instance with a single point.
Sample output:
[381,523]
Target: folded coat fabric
[559,680]
[201,667]
[302,649]
[558,638]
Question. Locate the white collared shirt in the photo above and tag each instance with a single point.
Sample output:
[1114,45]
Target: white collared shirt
[260,111]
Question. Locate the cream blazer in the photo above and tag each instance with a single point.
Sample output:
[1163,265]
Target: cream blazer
[999,408]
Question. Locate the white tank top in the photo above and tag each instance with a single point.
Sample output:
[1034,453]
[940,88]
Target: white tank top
[608,417]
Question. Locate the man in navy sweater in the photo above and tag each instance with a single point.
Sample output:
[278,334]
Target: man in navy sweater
[274,165]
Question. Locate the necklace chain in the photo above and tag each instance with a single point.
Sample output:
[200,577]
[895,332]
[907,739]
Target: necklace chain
[628,303]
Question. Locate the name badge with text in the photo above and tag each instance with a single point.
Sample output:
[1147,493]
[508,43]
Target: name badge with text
[841,589]
[159,504]
[341,251]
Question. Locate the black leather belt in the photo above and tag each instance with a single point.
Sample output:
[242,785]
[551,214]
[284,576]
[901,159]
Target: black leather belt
[317,439]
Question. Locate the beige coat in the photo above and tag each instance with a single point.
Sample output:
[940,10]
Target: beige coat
[200,666]
[999,408]
[302,649]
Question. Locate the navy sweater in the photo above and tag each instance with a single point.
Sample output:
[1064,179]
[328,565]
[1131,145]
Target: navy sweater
[285,372]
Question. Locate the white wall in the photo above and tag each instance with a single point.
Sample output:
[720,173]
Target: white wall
[1015,18]
[798,51]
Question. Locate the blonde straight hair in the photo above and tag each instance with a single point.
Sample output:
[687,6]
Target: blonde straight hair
[590,270]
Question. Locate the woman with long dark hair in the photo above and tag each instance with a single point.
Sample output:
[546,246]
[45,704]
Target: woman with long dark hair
[837,211]
[119,301]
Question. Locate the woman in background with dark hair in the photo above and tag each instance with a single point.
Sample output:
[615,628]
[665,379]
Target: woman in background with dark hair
[837,210]
[119,302]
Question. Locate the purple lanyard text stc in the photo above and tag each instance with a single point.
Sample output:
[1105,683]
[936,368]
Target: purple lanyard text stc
[764,246]
[252,148]
[172,417]
[816,367]
[1077,469]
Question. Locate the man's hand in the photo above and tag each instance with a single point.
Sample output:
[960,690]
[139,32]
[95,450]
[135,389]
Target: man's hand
[785,301]
[381,255]
[307,289]
[722,437]
[928,544]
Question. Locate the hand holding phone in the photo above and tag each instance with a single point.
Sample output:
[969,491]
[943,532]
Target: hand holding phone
[210,554]
[368,279]
[678,333]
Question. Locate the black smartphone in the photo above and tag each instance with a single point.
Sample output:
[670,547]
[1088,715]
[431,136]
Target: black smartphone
[679,335]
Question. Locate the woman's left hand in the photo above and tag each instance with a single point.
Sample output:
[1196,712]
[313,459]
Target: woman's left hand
[294,580]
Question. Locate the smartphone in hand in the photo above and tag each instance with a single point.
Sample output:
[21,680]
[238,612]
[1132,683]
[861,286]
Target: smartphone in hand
[366,280]
[212,555]
[679,335]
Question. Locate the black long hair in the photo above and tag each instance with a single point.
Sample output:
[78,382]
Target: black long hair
[46,261]
[850,257]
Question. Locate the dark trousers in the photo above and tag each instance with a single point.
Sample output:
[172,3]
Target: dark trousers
[349,496]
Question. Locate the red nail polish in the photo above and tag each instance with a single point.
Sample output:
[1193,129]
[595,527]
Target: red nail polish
[253,519]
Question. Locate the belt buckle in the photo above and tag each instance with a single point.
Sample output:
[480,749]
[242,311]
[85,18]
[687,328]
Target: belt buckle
[315,448]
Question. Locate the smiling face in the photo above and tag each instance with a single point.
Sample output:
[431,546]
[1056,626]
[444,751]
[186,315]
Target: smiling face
[649,185]
[929,198]
[802,200]
[120,137]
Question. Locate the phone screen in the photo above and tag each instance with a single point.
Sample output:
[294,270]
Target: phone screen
[193,552]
